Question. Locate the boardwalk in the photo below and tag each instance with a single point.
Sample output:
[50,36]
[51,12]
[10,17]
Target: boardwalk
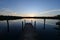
[29,32]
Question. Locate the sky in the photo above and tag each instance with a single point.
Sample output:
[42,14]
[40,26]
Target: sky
[30,7]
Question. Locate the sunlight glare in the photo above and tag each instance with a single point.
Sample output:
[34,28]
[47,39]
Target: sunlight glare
[29,15]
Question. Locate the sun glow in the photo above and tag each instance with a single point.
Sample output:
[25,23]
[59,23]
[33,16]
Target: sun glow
[29,15]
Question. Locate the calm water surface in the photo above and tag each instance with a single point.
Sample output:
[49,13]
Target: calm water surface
[15,28]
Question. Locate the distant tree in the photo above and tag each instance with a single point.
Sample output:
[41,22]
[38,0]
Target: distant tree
[58,15]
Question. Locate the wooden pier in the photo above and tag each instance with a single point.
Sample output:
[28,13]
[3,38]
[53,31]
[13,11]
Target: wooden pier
[29,32]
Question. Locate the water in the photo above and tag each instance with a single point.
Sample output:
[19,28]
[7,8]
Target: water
[15,28]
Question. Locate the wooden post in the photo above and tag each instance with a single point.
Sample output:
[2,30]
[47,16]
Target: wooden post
[7,26]
[44,23]
[34,24]
[22,25]
[24,22]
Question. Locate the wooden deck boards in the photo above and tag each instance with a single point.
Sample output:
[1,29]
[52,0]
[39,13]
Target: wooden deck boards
[29,32]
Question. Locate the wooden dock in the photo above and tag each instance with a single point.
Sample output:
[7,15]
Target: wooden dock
[29,32]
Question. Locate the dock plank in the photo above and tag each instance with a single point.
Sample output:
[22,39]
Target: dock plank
[29,32]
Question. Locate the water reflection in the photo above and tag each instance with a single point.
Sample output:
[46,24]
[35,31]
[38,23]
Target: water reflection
[12,29]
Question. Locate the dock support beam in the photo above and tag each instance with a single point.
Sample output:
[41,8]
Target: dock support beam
[44,23]
[22,25]
[24,22]
[35,25]
[7,26]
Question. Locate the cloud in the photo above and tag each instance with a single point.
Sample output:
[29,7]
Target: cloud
[6,11]
[50,13]
[45,13]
